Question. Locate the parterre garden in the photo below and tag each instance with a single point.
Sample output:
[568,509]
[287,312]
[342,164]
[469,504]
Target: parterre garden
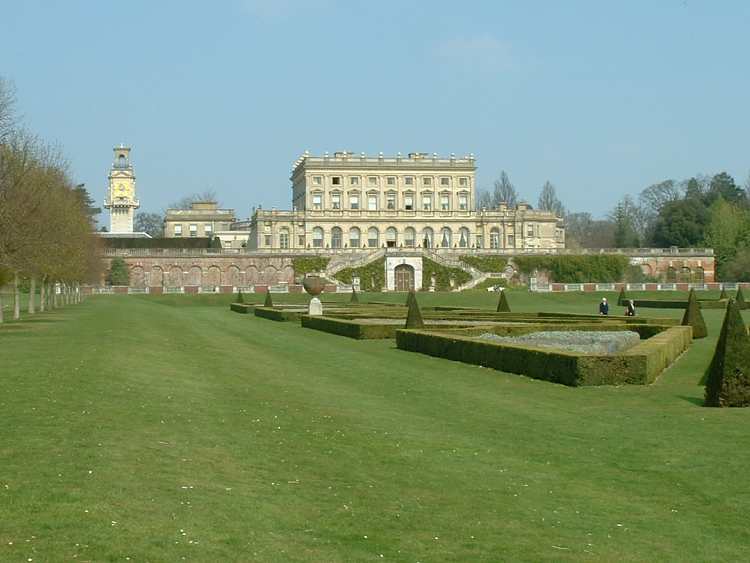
[168,427]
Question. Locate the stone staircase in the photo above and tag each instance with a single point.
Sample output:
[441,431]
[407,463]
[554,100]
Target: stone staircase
[342,261]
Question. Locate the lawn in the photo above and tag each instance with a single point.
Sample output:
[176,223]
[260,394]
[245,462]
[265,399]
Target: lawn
[168,428]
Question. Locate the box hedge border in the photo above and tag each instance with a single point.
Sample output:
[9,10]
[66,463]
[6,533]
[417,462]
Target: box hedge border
[277,314]
[244,308]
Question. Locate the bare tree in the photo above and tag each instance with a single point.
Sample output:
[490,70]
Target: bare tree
[7,109]
[504,191]
[186,201]
[548,200]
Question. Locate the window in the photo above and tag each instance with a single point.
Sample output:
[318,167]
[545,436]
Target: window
[317,235]
[463,202]
[178,230]
[445,181]
[372,237]
[495,238]
[354,181]
[409,180]
[301,241]
[463,237]
[463,182]
[445,237]
[372,203]
[391,236]
[336,237]
[427,181]
[409,237]
[317,180]
[317,201]
[409,202]
[193,230]
[207,228]
[427,202]
[511,241]
[354,201]
[427,237]
[267,240]
[529,230]
[354,237]
[390,181]
[336,180]
[390,201]
[372,180]
[480,240]
[445,202]
[284,238]
[336,201]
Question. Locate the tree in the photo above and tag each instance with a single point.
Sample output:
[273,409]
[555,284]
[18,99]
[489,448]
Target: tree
[413,315]
[693,317]
[626,219]
[681,223]
[654,197]
[7,109]
[269,301]
[187,201]
[119,274]
[548,200]
[728,375]
[727,232]
[723,185]
[150,223]
[504,191]
[87,203]
[738,269]
[502,304]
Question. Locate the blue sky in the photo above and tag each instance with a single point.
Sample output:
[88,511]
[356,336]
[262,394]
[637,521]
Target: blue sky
[601,98]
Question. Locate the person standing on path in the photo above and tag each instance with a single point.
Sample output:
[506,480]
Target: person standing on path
[604,307]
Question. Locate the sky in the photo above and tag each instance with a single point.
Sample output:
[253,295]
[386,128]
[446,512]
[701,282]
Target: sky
[600,98]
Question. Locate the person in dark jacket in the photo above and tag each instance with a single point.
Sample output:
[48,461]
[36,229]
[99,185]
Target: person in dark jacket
[604,307]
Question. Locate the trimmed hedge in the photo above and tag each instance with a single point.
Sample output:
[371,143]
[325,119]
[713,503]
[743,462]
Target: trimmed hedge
[189,242]
[673,304]
[601,268]
[492,264]
[243,308]
[351,329]
[277,314]
[371,276]
[306,264]
[443,275]
[640,364]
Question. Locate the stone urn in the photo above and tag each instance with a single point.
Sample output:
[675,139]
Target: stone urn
[313,285]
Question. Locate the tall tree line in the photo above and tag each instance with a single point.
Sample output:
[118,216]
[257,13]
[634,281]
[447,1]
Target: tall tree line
[46,224]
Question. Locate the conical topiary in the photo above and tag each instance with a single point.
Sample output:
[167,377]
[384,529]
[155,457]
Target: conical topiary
[354,299]
[502,303]
[728,376]
[740,298]
[413,315]
[268,302]
[240,297]
[693,317]
[723,294]
[622,298]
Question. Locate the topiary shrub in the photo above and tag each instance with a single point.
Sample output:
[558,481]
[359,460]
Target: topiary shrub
[119,274]
[693,317]
[728,375]
[414,315]
[740,299]
[354,299]
[723,294]
[240,297]
[502,304]
[622,297]
[268,302]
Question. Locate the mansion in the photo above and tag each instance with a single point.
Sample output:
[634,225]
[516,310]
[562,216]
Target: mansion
[418,201]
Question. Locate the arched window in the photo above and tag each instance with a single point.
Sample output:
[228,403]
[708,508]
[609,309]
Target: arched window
[373,237]
[495,238]
[409,237]
[354,235]
[427,237]
[283,237]
[445,237]
[671,274]
[337,237]
[463,237]
[391,236]
[317,235]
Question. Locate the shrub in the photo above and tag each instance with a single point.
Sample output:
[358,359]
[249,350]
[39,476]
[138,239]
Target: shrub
[191,242]
[269,301]
[740,298]
[306,264]
[723,294]
[728,375]
[622,297]
[354,299]
[414,315]
[443,275]
[371,277]
[605,268]
[492,282]
[243,308]
[693,317]
[240,297]
[502,304]
[349,328]
[485,263]
[119,274]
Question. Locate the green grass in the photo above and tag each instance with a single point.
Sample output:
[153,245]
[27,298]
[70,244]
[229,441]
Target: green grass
[134,425]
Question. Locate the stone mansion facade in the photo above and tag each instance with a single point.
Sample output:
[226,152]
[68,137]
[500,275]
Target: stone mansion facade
[348,201]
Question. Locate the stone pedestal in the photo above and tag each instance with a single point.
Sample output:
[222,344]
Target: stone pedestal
[315,308]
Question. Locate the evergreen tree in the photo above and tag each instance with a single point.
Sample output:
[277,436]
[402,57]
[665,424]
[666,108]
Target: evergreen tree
[502,304]
[354,299]
[413,315]
[693,317]
[268,302]
[622,297]
[118,272]
[728,376]
[723,294]
[240,297]
[740,298]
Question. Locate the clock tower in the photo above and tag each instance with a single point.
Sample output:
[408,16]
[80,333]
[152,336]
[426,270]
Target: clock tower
[121,200]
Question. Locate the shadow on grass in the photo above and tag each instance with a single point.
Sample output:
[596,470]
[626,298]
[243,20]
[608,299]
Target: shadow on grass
[698,401]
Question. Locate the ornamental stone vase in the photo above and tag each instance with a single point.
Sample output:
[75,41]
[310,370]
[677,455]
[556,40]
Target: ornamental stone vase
[313,285]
